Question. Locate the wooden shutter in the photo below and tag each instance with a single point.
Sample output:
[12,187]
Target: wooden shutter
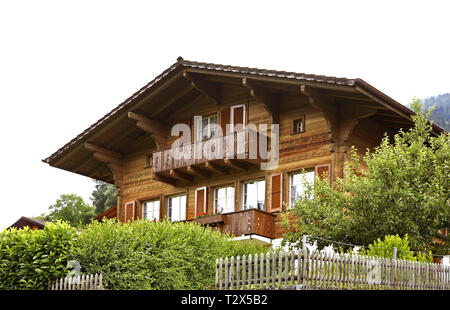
[224,119]
[200,201]
[321,170]
[188,122]
[129,211]
[238,115]
[276,189]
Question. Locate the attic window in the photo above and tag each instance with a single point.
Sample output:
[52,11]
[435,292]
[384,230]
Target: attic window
[298,125]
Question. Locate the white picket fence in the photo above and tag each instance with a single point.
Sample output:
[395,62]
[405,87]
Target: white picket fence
[82,282]
[315,270]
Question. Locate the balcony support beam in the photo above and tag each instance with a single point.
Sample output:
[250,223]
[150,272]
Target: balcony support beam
[180,175]
[215,168]
[198,171]
[236,164]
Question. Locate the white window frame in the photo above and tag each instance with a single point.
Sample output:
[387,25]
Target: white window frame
[205,203]
[244,120]
[182,210]
[199,127]
[226,198]
[244,192]
[291,175]
[145,208]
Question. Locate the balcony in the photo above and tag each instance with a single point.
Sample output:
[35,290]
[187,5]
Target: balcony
[217,155]
[245,222]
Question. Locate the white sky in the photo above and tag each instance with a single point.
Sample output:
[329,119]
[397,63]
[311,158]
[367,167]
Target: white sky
[63,65]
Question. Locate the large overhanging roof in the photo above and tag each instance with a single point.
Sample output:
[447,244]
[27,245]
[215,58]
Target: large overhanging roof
[176,70]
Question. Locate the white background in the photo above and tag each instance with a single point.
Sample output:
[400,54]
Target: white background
[64,64]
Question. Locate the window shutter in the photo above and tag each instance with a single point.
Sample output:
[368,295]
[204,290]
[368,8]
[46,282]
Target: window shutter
[200,201]
[276,188]
[188,122]
[129,212]
[238,115]
[321,170]
[224,119]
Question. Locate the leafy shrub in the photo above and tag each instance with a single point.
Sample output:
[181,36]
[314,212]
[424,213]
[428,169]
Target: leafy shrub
[385,248]
[30,259]
[162,255]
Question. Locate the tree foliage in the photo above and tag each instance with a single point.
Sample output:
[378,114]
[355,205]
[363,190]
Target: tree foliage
[385,248]
[71,208]
[403,188]
[104,196]
[30,259]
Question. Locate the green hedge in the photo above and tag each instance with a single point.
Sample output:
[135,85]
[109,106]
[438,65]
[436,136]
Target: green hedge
[135,255]
[30,259]
[161,255]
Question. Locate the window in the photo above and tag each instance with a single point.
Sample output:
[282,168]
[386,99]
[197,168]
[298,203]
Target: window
[206,127]
[176,208]
[298,125]
[150,210]
[224,199]
[254,194]
[297,186]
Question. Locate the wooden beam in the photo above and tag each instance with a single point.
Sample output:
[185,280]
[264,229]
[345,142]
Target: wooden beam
[210,90]
[163,179]
[236,164]
[197,171]
[180,176]
[104,154]
[149,125]
[106,158]
[270,101]
[157,129]
[215,168]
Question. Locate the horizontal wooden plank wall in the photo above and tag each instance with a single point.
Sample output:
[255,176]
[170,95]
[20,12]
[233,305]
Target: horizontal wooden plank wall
[315,270]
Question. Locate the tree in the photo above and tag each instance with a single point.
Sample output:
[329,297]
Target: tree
[385,248]
[404,189]
[71,208]
[104,196]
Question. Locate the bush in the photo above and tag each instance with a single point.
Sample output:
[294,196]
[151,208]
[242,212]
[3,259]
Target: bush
[385,248]
[161,255]
[30,259]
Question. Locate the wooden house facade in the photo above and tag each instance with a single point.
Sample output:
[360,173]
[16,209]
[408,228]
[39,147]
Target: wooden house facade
[319,118]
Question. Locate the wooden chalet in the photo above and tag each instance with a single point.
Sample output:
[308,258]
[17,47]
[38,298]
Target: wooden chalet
[29,222]
[319,119]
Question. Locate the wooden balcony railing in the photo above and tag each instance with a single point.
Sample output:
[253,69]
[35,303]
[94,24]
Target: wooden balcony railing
[231,148]
[243,222]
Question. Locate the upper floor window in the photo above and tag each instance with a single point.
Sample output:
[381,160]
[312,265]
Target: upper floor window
[224,199]
[150,210]
[176,208]
[254,194]
[298,125]
[205,128]
[298,186]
